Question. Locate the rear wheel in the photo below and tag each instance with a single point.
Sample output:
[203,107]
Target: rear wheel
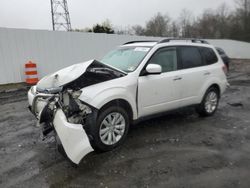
[110,129]
[210,102]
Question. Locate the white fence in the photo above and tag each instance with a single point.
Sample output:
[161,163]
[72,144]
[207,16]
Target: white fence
[55,50]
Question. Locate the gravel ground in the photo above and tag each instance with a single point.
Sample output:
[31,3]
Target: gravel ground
[177,150]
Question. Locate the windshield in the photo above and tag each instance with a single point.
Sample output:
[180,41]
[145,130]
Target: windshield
[126,59]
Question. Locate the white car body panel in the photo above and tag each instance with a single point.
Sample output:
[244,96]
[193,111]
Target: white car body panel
[157,93]
[190,92]
[121,88]
[31,96]
[73,137]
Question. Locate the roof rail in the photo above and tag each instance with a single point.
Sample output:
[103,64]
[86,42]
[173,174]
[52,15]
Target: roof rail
[193,40]
[131,42]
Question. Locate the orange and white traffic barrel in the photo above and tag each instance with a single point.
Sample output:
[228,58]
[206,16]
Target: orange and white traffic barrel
[31,73]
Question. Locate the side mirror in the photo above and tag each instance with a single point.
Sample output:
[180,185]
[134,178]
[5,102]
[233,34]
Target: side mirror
[153,69]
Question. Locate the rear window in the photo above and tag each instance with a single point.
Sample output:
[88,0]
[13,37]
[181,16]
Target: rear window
[190,57]
[208,55]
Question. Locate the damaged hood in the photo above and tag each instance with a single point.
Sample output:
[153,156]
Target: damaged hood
[80,75]
[63,76]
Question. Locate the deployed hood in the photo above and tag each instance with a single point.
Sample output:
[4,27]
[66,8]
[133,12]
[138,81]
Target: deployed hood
[79,76]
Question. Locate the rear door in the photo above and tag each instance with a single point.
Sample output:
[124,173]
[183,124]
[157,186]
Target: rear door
[194,74]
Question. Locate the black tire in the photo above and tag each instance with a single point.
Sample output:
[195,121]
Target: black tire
[201,108]
[96,141]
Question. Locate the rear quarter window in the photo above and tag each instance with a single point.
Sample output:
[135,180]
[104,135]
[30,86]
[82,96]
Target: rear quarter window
[209,55]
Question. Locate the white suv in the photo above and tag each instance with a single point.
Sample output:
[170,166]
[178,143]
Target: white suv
[92,104]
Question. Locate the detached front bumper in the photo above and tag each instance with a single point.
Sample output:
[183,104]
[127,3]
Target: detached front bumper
[72,136]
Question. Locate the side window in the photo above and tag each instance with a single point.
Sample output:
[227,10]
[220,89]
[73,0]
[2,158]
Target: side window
[209,55]
[167,58]
[190,57]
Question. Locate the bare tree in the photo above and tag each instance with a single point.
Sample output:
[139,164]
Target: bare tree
[243,4]
[186,20]
[206,25]
[138,30]
[174,29]
[242,20]
[158,26]
[223,21]
[124,30]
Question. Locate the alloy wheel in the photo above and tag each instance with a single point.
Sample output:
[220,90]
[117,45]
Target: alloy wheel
[211,102]
[112,128]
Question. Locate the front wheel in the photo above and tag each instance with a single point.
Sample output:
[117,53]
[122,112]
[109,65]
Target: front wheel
[210,102]
[111,128]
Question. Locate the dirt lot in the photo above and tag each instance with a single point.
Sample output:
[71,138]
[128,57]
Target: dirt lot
[177,150]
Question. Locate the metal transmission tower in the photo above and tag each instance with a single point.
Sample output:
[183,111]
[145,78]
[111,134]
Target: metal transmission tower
[60,15]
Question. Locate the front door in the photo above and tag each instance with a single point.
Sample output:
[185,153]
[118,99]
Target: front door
[159,93]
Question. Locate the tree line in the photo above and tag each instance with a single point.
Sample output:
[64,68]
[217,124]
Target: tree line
[219,23]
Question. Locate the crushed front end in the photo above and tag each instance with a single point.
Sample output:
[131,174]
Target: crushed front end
[55,103]
[61,111]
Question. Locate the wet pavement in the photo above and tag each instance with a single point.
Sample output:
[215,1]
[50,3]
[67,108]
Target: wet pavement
[180,149]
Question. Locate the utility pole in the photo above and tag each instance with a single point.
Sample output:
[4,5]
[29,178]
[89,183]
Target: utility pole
[60,15]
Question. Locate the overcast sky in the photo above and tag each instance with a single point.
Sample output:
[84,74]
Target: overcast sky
[35,14]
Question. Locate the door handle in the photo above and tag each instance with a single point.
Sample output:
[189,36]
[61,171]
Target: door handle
[207,73]
[177,78]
